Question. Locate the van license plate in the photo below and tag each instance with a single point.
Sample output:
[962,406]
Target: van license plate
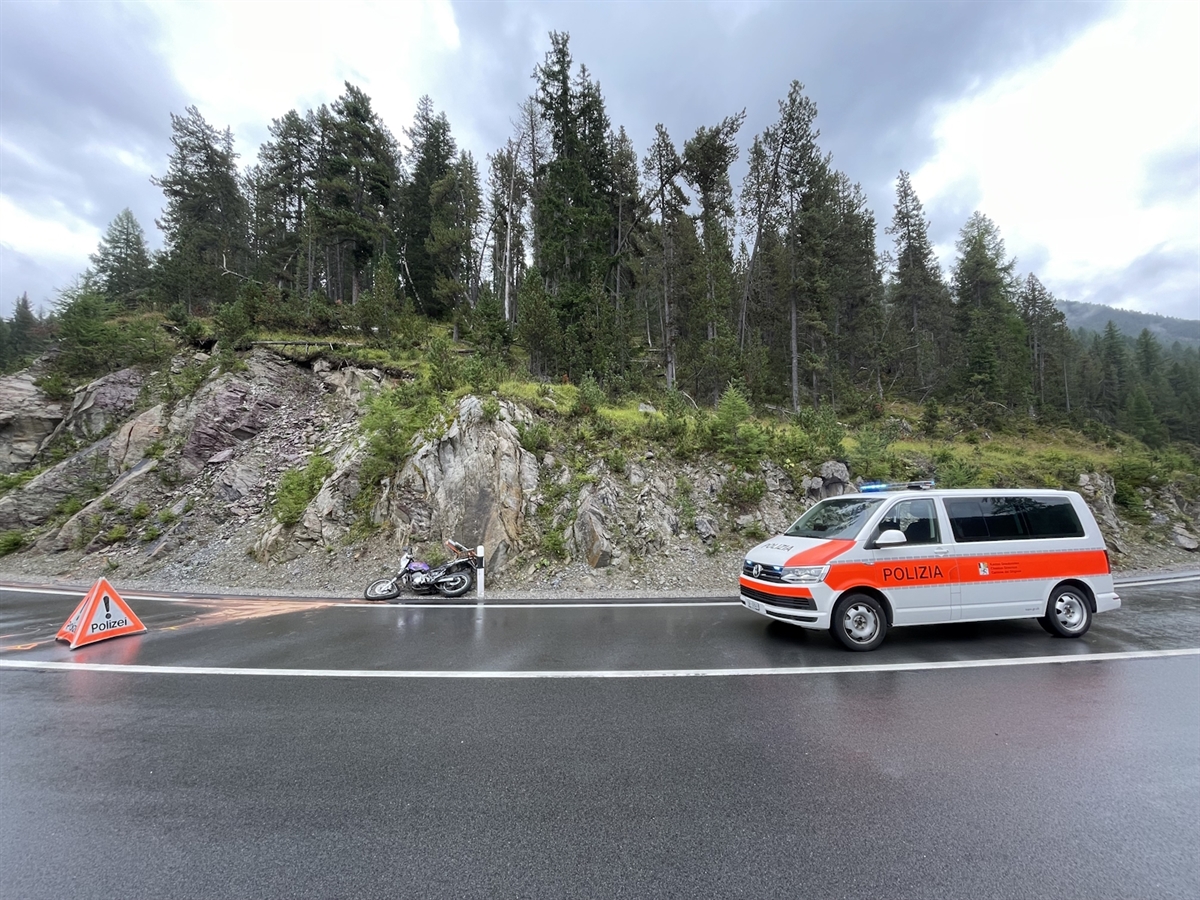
[756,607]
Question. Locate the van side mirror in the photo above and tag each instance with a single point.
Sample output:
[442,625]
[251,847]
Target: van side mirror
[891,538]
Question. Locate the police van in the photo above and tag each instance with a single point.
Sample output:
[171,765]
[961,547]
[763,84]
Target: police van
[911,554]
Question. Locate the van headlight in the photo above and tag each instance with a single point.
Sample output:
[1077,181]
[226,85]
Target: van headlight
[804,574]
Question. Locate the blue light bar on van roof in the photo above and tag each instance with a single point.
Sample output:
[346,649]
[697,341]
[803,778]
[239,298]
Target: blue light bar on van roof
[878,486]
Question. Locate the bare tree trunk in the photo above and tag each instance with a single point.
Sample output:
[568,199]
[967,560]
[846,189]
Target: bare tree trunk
[795,360]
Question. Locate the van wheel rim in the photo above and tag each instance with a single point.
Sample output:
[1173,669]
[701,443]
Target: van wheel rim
[860,623]
[1068,609]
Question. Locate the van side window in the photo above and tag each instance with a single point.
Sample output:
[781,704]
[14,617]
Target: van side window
[1012,518]
[916,518]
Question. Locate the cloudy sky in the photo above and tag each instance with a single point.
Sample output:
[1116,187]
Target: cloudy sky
[1075,126]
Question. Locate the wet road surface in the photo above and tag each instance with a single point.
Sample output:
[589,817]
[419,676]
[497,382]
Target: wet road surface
[178,776]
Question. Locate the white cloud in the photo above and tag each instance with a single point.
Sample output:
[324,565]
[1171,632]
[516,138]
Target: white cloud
[52,233]
[1060,153]
[245,63]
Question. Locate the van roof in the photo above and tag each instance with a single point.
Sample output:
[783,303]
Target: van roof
[961,492]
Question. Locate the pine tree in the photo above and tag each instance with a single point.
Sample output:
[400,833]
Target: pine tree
[997,369]
[355,187]
[203,224]
[918,296]
[122,262]
[663,167]
[432,152]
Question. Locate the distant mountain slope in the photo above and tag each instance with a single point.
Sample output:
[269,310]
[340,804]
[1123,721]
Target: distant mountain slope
[1096,316]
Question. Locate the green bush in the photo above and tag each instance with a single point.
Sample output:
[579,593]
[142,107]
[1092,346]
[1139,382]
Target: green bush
[616,461]
[116,534]
[554,545]
[535,438]
[298,487]
[445,368]
[954,472]
[233,326]
[742,493]
[589,398]
[11,541]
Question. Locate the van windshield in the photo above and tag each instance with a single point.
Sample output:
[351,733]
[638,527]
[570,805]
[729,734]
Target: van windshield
[835,518]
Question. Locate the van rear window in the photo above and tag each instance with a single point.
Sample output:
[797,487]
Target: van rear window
[1012,518]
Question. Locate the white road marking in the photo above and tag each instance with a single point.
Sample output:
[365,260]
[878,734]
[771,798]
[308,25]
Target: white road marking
[366,604]
[1182,579]
[528,604]
[600,673]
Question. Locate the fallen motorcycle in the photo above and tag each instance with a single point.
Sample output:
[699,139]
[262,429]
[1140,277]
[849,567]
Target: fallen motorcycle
[451,579]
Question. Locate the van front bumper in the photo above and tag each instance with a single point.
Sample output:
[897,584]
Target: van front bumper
[805,618]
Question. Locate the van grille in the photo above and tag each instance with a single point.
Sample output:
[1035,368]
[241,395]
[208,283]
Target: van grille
[766,573]
[782,602]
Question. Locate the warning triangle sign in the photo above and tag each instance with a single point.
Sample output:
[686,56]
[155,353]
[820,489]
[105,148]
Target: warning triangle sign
[101,614]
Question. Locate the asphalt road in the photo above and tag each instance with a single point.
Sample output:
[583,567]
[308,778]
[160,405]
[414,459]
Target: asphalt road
[249,749]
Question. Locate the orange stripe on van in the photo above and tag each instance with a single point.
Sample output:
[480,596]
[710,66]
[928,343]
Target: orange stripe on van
[898,574]
[770,587]
[967,570]
[983,568]
[818,556]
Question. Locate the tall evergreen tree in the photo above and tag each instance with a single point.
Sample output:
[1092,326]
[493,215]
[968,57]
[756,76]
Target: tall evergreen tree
[663,167]
[918,297]
[122,261]
[203,223]
[356,187]
[996,369]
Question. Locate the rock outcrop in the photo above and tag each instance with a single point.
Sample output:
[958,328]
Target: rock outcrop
[27,419]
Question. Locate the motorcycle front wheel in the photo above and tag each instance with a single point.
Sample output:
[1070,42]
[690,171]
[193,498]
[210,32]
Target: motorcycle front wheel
[456,583]
[383,589]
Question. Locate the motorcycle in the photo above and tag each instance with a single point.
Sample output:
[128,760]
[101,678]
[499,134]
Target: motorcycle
[452,579]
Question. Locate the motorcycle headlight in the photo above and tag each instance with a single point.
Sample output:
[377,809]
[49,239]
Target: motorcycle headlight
[804,574]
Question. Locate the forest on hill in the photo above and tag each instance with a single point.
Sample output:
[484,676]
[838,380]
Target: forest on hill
[576,255]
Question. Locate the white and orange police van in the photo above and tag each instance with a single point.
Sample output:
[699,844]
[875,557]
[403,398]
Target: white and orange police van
[895,555]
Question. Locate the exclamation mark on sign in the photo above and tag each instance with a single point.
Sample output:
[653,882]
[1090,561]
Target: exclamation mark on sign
[107,609]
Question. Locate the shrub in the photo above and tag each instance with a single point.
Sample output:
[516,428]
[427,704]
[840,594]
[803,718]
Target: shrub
[742,493]
[554,545]
[11,541]
[445,368]
[535,438]
[298,487]
[589,398]
[116,534]
[491,409]
[140,511]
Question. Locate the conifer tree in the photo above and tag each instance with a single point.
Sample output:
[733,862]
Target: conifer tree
[122,262]
[203,223]
[918,296]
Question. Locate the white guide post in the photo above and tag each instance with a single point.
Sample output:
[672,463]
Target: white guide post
[479,561]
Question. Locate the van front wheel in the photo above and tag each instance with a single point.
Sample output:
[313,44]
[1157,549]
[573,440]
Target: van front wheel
[859,622]
[1068,613]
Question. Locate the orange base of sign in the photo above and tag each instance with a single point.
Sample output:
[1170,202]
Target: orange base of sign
[100,615]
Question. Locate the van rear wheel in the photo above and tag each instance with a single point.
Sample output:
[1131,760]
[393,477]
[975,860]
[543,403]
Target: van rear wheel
[1068,614]
[859,622]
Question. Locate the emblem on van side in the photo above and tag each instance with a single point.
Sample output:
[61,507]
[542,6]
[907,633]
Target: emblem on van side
[983,568]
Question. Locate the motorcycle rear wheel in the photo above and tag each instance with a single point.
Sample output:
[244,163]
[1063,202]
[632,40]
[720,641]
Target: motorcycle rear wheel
[456,583]
[383,589]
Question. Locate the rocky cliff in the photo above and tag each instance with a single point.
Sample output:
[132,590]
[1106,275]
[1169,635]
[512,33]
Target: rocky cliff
[170,479]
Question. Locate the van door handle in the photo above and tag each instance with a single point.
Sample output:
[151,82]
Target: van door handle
[941,550]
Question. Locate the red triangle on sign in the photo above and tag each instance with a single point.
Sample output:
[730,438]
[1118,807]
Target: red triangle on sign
[102,614]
